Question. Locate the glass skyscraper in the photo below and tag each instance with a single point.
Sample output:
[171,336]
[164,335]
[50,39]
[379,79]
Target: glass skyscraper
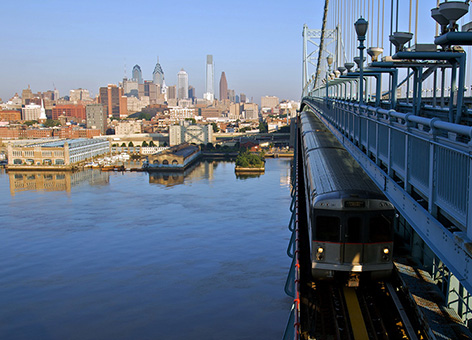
[182,85]
[209,90]
[137,74]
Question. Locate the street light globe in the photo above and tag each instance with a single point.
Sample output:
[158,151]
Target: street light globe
[329,59]
[361,26]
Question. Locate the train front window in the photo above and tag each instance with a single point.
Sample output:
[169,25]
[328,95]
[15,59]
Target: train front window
[353,230]
[380,228]
[327,228]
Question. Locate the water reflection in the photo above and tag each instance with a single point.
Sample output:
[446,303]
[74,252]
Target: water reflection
[247,176]
[54,180]
[203,169]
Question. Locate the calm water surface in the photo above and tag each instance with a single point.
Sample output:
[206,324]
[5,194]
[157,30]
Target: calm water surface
[136,256]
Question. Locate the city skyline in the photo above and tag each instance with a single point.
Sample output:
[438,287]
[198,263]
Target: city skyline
[87,44]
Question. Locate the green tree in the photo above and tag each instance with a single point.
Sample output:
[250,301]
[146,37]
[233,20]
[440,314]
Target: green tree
[51,123]
[123,145]
[144,144]
[263,127]
[130,144]
[215,127]
[151,143]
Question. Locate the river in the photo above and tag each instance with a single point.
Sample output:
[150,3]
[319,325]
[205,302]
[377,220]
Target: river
[99,255]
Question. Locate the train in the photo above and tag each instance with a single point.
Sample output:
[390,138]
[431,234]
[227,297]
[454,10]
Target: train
[349,219]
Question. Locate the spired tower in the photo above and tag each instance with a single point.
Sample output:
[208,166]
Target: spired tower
[158,74]
[210,79]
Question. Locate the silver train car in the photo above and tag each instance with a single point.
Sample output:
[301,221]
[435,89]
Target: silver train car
[350,221]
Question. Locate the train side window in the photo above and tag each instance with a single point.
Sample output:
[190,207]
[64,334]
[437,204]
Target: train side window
[380,229]
[354,230]
[327,228]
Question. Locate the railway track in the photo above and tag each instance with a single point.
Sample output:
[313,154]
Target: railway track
[374,310]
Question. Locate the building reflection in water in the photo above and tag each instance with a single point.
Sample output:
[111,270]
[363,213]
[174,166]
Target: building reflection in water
[198,170]
[54,180]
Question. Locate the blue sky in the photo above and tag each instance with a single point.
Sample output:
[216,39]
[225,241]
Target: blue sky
[87,43]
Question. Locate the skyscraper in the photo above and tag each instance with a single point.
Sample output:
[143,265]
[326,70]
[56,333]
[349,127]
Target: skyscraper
[113,99]
[137,74]
[158,74]
[182,85]
[209,89]
[223,87]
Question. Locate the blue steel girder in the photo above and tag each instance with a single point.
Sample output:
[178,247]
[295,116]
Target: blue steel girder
[412,149]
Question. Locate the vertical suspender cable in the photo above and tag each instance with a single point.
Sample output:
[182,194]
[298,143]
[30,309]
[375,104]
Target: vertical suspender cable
[383,24]
[416,23]
[323,29]
[409,18]
[391,24]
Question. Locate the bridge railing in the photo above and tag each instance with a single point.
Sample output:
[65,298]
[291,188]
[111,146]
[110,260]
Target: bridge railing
[430,158]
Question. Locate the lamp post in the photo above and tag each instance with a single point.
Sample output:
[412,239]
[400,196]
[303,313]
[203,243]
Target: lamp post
[361,29]
[329,59]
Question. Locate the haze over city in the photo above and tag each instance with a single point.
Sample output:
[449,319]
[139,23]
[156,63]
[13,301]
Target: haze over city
[90,44]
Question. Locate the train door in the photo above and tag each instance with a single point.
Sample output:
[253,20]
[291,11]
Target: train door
[353,245]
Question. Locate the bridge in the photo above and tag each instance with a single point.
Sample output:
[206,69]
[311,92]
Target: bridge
[405,116]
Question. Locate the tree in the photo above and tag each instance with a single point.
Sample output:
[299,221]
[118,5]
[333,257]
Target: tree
[263,127]
[51,123]
[215,127]
[151,143]
[130,144]
[144,144]
[123,145]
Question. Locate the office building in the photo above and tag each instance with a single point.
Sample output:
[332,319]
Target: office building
[79,95]
[158,74]
[210,79]
[113,99]
[171,92]
[96,117]
[251,111]
[182,85]
[76,112]
[223,87]
[269,102]
[242,98]
[31,112]
[137,74]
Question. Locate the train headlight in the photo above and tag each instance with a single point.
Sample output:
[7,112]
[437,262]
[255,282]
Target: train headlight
[386,254]
[319,254]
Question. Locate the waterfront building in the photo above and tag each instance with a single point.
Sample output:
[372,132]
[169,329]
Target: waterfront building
[187,133]
[63,154]
[75,112]
[158,74]
[96,117]
[182,84]
[178,157]
[210,80]
[269,102]
[113,99]
[223,87]
[31,112]
[137,74]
